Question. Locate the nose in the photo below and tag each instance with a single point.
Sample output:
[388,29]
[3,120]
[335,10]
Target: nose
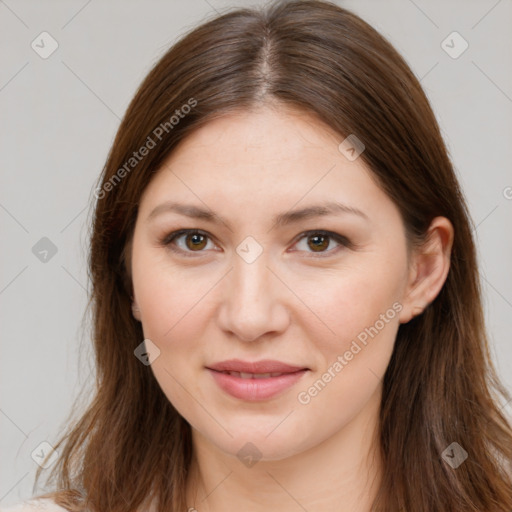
[254,301]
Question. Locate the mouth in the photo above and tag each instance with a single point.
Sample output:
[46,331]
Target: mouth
[244,375]
[254,387]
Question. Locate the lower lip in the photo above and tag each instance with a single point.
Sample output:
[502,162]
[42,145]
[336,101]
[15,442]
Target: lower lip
[255,389]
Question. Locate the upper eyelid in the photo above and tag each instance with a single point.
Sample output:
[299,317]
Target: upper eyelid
[181,232]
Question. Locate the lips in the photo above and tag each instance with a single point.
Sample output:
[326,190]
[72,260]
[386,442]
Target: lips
[255,381]
[244,375]
[255,368]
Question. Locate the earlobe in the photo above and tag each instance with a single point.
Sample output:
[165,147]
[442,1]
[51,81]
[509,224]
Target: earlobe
[410,312]
[429,269]
[135,311]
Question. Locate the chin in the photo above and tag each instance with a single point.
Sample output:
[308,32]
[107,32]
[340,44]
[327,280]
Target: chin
[255,445]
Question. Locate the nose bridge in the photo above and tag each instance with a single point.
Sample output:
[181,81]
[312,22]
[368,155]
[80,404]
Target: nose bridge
[250,280]
[252,304]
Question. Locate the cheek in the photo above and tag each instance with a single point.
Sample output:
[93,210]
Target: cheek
[351,368]
[166,310]
[173,308]
[361,305]
[346,302]
[168,297]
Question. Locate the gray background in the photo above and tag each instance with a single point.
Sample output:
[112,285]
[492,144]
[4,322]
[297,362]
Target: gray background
[59,117]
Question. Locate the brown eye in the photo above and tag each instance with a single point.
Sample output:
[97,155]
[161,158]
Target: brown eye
[186,241]
[195,241]
[318,242]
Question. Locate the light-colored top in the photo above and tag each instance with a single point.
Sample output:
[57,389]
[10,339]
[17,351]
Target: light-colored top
[35,505]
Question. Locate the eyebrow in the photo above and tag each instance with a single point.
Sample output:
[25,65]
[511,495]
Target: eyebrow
[281,219]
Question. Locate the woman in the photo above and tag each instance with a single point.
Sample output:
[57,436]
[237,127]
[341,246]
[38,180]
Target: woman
[285,288]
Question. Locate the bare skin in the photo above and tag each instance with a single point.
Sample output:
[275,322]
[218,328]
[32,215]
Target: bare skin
[303,301]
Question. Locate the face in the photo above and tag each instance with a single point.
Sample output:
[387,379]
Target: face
[275,273]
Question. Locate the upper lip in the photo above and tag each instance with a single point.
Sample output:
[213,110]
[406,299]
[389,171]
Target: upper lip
[264,366]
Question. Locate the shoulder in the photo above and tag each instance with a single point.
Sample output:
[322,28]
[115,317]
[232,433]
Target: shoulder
[34,505]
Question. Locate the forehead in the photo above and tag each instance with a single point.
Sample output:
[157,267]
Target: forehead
[283,131]
[266,160]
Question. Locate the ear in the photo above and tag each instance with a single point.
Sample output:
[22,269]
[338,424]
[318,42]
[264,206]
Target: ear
[135,310]
[429,268]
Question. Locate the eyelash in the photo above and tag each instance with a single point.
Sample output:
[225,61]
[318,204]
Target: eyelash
[169,239]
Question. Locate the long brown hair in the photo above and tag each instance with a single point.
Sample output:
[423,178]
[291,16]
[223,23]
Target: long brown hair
[440,386]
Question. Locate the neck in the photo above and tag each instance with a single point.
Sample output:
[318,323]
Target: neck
[341,474]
